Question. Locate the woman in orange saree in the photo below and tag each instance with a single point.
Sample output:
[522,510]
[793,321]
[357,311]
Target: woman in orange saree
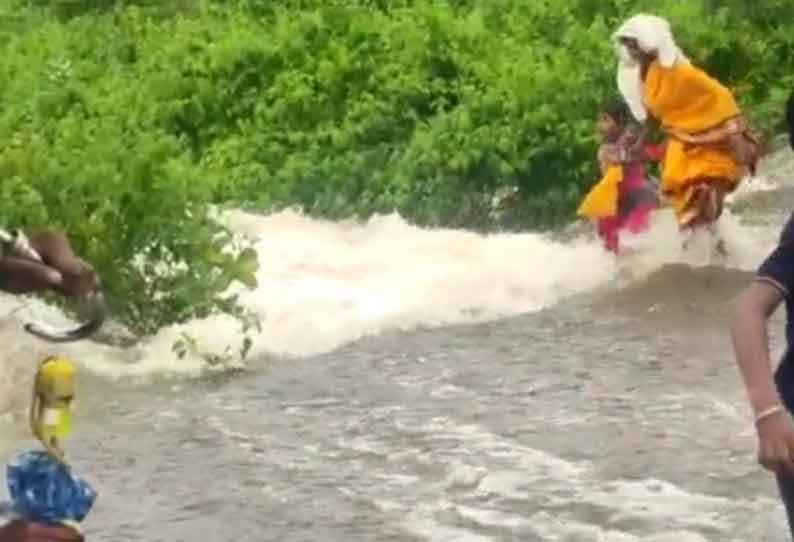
[709,148]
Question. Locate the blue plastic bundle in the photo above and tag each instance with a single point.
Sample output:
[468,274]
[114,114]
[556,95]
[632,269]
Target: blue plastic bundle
[44,490]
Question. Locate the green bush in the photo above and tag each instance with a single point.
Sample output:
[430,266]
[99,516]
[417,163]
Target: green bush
[123,121]
[84,147]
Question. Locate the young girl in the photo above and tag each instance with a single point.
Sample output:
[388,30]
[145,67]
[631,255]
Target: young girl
[624,199]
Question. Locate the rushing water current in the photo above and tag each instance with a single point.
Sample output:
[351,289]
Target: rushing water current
[434,385]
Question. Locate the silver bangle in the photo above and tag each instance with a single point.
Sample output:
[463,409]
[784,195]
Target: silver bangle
[767,413]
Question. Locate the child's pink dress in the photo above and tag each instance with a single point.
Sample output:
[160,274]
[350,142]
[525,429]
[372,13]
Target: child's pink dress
[637,198]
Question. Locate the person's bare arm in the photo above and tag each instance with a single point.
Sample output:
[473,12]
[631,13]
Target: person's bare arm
[773,422]
[751,344]
[55,267]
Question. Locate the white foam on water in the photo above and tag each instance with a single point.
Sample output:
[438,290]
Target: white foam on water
[750,186]
[498,468]
[555,529]
[422,521]
[324,284]
[663,244]
[464,481]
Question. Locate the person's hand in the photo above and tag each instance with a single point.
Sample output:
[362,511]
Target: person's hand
[776,443]
[23,531]
[683,137]
[80,284]
[70,274]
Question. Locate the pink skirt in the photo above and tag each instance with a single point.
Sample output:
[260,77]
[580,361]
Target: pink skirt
[635,221]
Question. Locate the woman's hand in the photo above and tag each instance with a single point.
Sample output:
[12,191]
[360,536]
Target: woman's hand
[80,284]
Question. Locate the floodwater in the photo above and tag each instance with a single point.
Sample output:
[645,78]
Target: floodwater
[416,385]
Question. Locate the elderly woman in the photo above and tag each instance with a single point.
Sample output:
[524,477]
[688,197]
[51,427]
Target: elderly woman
[709,147]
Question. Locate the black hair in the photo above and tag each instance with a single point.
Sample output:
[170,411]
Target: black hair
[620,112]
[790,119]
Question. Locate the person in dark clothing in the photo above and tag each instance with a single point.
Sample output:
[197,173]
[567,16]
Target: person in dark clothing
[771,393]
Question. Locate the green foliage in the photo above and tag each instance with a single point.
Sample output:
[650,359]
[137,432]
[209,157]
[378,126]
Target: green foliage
[431,107]
[122,121]
[85,148]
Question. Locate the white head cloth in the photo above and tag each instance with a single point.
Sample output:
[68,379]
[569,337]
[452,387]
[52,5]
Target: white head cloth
[653,35]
